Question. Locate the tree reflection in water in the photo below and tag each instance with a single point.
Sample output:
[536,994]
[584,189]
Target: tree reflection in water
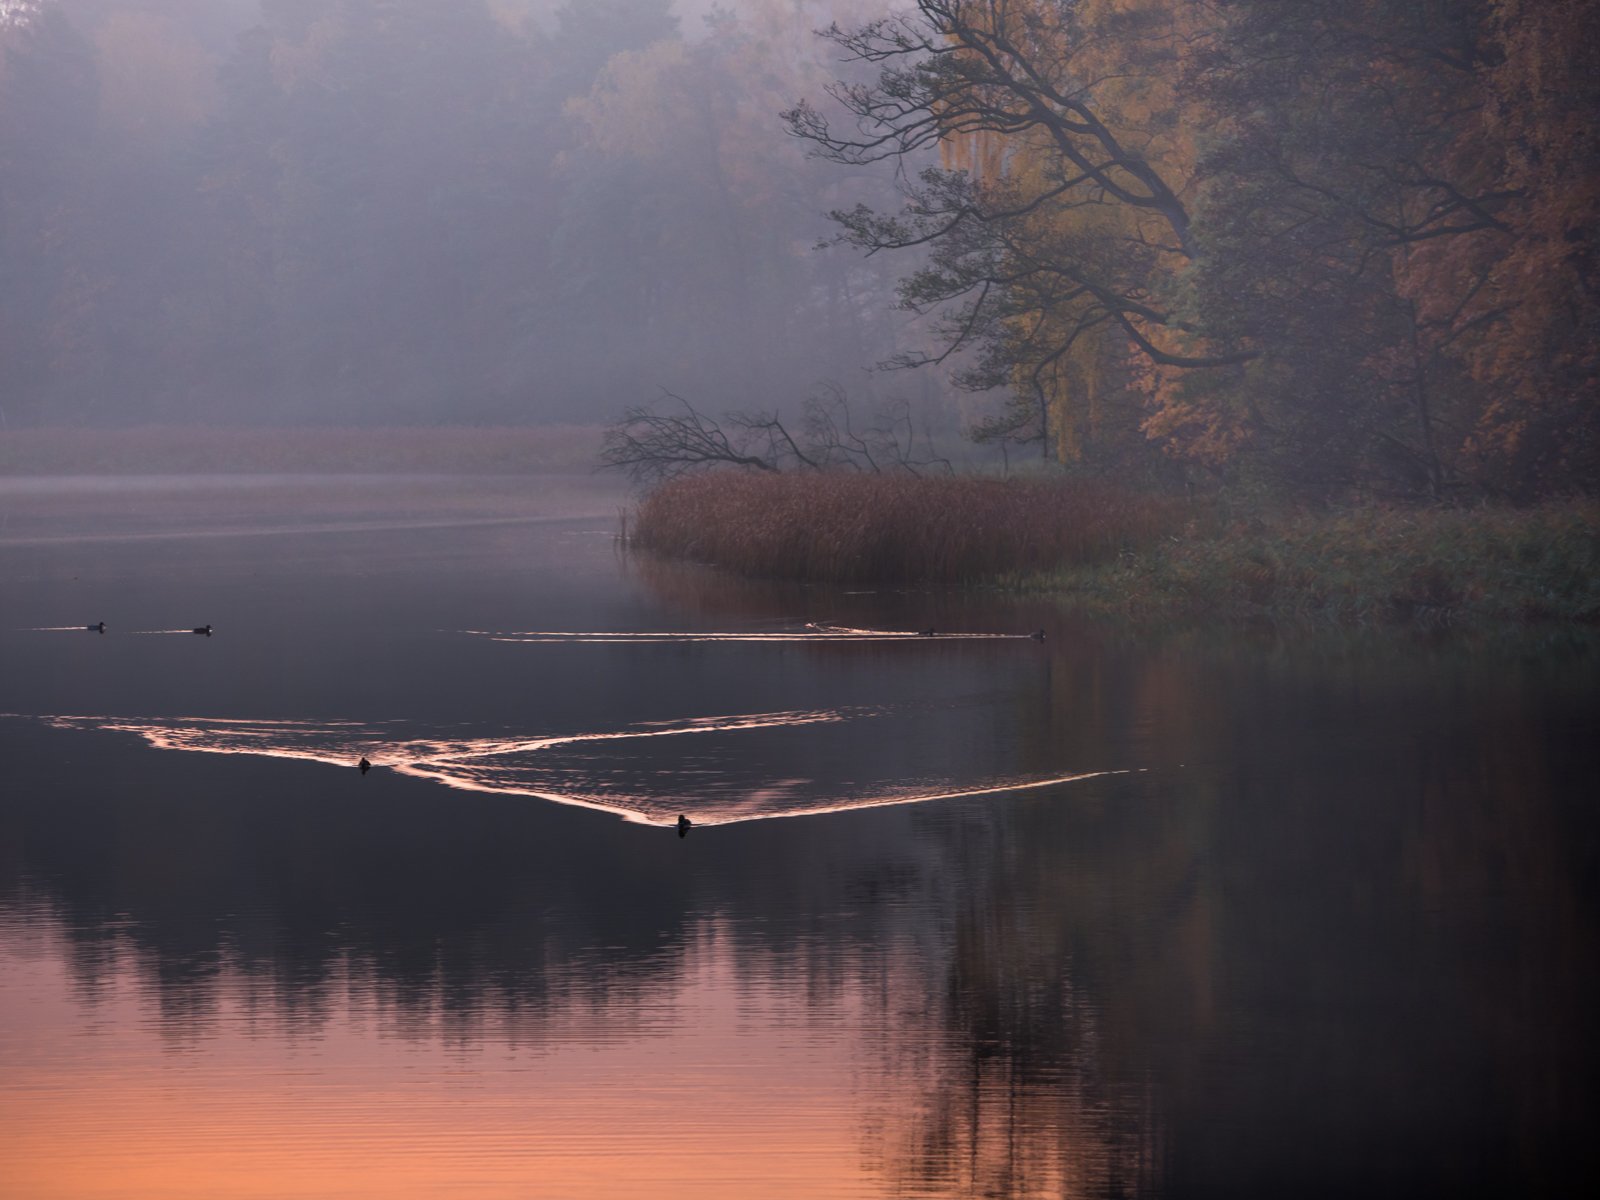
[1346,945]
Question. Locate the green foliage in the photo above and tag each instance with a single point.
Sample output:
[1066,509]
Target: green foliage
[1442,566]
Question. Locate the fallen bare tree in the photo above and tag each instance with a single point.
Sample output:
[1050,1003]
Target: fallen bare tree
[671,437]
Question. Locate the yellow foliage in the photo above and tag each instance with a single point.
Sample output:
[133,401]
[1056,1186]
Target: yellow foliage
[1124,57]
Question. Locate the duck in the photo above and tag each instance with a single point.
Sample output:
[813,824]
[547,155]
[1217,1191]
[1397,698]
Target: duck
[1037,635]
[925,632]
[364,765]
[203,629]
[684,825]
[99,627]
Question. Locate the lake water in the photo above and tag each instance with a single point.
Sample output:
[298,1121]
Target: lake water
[971,915]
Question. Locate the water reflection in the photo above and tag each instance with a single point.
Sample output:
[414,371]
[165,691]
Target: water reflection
[1311,916]
[828,986]
[1131,987]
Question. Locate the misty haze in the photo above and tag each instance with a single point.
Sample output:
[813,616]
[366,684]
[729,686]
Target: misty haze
[798,598]
[348,214]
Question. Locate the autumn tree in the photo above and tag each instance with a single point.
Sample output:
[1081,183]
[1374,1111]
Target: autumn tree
[1060,217]
[1517,307]
[1333,165]
[1276,237]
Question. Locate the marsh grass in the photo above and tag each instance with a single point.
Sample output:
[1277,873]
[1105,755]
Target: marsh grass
[178,450]
[1105,551]
[1444,566]
[851,528]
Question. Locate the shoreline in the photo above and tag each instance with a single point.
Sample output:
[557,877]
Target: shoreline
[1133,557]
[1521,568]
[300,450]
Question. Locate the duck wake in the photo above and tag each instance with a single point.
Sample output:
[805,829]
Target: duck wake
[719,769]
[812,633]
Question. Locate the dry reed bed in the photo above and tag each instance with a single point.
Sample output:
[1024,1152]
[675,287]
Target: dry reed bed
[852,528]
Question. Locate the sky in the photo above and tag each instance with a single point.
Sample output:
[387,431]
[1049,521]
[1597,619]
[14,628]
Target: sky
[277,212]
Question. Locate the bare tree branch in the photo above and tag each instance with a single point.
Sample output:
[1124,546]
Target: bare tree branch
[652,445]
[657,442]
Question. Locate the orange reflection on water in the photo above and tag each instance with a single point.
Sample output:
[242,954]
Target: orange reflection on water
[703,1090]
[728,1075]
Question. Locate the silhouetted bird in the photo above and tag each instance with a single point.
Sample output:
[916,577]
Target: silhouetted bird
[205,629]
[98,628]
[364,765]
[925,633]
[1037,635]
[683,825]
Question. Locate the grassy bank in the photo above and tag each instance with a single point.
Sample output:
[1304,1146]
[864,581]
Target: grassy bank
[1111,552]
[180,450]
[1372,566]
[847,527]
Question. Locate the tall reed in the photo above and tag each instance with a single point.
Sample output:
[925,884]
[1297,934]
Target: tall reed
[852,527]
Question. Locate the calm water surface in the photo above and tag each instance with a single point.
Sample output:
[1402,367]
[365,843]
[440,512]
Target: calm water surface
[970,915]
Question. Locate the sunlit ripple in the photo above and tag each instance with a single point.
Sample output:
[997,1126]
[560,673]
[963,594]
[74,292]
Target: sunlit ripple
[528,766]
[809,632]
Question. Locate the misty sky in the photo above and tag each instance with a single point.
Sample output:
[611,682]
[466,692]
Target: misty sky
[411,211]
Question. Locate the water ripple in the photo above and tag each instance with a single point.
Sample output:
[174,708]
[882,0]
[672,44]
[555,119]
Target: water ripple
[619,771]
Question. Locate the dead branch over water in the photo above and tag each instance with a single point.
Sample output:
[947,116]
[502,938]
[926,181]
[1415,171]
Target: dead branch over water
[671,438]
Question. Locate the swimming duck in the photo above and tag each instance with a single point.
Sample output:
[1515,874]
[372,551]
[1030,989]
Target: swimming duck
[925,632]
[684,825]
[96,628]
[204,629]
[364,765]
[1037,635]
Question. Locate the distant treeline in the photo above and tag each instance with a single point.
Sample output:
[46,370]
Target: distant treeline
[391,211]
